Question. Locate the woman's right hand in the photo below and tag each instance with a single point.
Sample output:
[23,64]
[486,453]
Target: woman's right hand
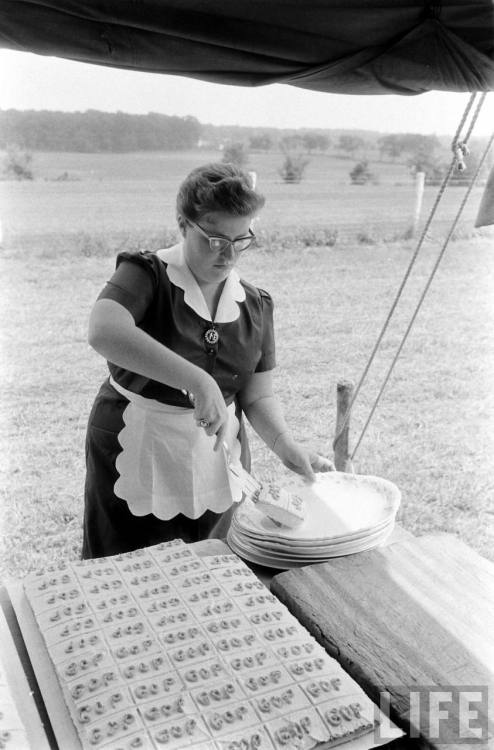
[210,410]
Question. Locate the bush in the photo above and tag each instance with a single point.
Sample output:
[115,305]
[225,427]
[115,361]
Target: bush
[17,164]
[293,167]
[365,237]
[361,174]
[235,153]
[276,238]
[322,237]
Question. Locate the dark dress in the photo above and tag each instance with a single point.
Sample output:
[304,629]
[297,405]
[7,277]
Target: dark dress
[245,345]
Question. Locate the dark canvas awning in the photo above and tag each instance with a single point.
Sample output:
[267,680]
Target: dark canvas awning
[342,46]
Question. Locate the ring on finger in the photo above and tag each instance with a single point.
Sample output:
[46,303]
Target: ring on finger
[203,423]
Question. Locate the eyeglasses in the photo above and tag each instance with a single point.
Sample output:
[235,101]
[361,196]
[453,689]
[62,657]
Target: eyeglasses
[220,244]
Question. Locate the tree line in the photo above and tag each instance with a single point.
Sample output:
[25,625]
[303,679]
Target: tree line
[94,131]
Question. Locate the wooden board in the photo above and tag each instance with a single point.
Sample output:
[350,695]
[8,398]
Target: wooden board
[266,575]
[415,613]
[20,690]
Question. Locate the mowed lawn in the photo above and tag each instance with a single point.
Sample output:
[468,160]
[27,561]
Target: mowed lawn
[431,435]
[135,193]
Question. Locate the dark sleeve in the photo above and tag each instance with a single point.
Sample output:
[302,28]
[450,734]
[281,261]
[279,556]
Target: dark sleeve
[133,284]
[268,358]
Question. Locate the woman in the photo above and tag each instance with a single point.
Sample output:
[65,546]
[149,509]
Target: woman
[190,347]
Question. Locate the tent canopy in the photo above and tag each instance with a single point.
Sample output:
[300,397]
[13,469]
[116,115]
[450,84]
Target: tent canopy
[340,46]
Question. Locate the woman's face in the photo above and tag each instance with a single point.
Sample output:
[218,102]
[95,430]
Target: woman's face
[210,266]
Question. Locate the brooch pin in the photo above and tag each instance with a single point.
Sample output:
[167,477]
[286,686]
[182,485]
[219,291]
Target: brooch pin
[211,336]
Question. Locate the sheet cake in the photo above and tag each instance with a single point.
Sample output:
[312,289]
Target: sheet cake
[160,649]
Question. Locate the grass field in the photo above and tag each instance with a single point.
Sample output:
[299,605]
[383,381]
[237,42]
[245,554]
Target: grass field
[432,434]
[132,193]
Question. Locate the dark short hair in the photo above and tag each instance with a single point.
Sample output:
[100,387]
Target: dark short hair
[218,187]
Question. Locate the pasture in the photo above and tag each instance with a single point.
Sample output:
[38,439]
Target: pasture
[135,193]
[432,433]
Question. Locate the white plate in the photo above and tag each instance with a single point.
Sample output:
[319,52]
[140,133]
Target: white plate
[250,553]
[338,505]
[317,550]
[306,544]
[340,551]
[272,560]
[267,562]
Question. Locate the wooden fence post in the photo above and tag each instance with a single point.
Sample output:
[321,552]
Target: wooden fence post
[344,393]
[419,194]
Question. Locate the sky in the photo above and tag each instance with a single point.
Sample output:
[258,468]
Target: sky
[29,81]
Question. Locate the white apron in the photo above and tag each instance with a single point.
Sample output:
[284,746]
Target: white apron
[168,466]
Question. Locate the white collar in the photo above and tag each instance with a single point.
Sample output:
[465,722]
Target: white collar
[180,274]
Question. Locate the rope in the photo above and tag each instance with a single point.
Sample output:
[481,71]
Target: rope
[457,147]
[426,289]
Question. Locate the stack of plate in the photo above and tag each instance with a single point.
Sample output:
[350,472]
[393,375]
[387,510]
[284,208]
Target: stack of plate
[345,514]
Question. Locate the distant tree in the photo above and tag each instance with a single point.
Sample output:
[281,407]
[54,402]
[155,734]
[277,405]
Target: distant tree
[324,142]
[361,173]
[390,145]
[94,131]
[422,161]
[414,142]
[17,164]
[235,153]
[292,143]
[260,142]
[350,143]
[420,148]
[316,142]
[423,156]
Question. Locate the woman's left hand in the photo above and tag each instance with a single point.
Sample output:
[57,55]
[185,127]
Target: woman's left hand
[300,459]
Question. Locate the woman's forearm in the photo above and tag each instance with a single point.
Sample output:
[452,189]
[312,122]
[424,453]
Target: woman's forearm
[263,409]
[114,335]
[266,417]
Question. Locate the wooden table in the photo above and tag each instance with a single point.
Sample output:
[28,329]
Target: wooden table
[406,618]
[23,687]
[266,575]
